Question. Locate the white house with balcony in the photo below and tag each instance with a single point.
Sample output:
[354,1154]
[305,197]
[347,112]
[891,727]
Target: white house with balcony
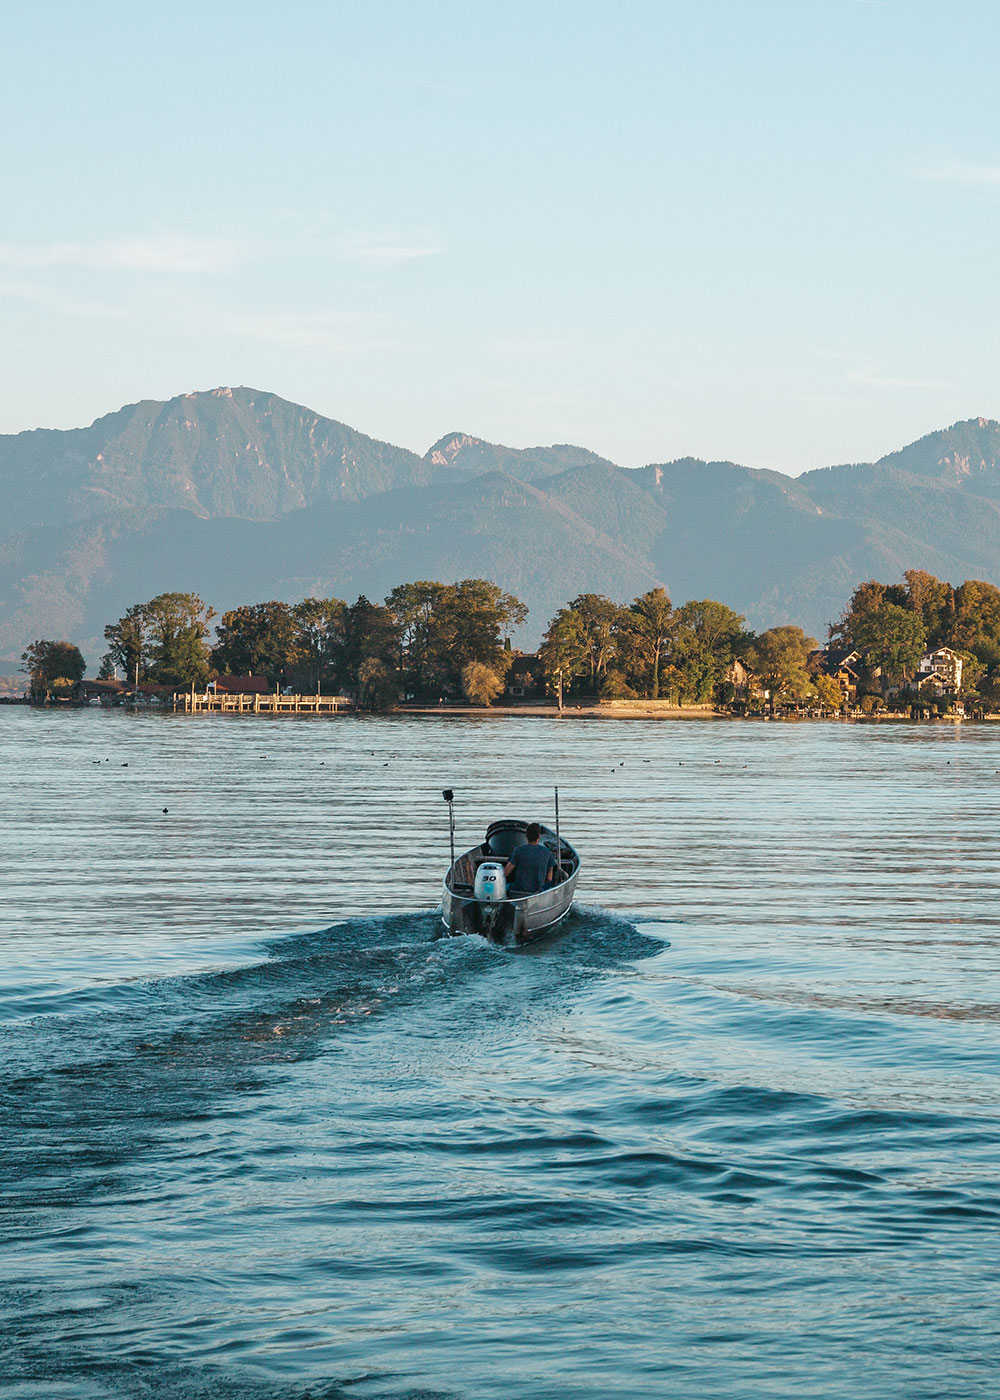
[940,671]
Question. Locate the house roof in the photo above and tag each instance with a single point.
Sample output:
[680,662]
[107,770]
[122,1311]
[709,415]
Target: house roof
[242,685]
[103,687]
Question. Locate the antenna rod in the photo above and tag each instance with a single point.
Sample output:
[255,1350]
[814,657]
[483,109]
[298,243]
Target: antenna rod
[449,797]
[558,840]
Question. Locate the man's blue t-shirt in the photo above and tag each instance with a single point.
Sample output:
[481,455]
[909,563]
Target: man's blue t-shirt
[531,866]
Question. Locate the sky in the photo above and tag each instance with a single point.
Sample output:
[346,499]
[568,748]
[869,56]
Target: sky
[753,230]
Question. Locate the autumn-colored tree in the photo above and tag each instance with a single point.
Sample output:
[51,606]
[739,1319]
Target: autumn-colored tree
[976,625]
[933,601]
[866,598]
[480,683]
[828,692]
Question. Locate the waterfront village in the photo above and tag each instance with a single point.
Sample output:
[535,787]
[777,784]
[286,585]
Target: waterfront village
[919,649]
[935,690]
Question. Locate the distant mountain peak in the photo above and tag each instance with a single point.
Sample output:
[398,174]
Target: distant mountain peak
[446,449]
[967,451]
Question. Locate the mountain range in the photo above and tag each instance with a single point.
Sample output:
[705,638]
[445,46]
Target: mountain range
[241,496]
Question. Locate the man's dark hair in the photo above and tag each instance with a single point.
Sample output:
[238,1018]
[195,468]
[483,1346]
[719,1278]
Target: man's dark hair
[533,832]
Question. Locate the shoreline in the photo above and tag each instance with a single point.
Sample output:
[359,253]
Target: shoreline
[613,711]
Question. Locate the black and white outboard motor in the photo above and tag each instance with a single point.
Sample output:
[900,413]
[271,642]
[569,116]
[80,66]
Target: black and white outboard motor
[491,882]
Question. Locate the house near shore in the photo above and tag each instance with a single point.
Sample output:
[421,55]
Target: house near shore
[239,685]
[841,665]
[940,672]
[747,685]
[526,678]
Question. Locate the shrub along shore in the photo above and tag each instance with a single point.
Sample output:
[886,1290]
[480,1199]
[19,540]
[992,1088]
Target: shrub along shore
[920,646]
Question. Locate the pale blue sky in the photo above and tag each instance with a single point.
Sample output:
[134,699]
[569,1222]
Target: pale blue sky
[766,230]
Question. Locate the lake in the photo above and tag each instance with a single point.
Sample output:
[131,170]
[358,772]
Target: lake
[731,1133]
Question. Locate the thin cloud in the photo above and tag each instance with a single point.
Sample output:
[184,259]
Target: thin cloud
[871,373]
[167,253]
[383,251]
[175,253]
[875,380]
[331,330]
[961,173]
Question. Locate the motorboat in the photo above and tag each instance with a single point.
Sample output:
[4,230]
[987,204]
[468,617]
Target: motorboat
[475,898]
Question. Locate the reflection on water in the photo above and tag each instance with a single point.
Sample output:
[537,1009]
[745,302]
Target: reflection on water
[264,1134]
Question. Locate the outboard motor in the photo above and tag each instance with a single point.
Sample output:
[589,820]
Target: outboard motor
[491,882]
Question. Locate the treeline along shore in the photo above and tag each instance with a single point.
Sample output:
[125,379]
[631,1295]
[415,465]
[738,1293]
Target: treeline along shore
[918,647]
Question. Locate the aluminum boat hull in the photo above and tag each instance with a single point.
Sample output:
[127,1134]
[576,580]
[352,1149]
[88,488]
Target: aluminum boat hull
[518,919]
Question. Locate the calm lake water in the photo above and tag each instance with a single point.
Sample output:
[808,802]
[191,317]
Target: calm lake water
[732,1134]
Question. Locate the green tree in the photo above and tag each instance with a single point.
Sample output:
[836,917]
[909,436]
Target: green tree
[471,621]
[377,684]
[371,649]
[316,654]
[414,608]
[178,627]
[52,667]
[257,639]
[601,620]
[891,637]
[128,642]
[779,657]
[564,652]
[643,637]
[705,637]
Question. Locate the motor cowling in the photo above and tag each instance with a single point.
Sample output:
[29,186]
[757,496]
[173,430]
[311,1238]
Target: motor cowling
[491,882]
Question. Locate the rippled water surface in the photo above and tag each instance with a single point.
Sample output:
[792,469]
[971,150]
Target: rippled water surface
[733,1133]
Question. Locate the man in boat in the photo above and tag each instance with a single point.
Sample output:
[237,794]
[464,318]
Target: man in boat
[530,865]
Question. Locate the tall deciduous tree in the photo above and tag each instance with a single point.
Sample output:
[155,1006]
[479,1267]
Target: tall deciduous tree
[705,637]
[564,652]
[480,683]
[779,657]
[866,598]
[178,627]
[644,636]
[414,608]
[128,641]
[257,639]
[52,666]
[892,637]
[371,648]
[317,650]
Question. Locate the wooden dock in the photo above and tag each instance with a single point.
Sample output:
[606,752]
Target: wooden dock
[272,703]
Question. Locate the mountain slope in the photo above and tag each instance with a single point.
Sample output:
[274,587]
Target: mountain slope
[74,579]
[242,496]
[229,452]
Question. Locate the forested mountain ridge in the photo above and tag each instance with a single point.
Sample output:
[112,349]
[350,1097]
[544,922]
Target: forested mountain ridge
[240,495]
[228,452]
